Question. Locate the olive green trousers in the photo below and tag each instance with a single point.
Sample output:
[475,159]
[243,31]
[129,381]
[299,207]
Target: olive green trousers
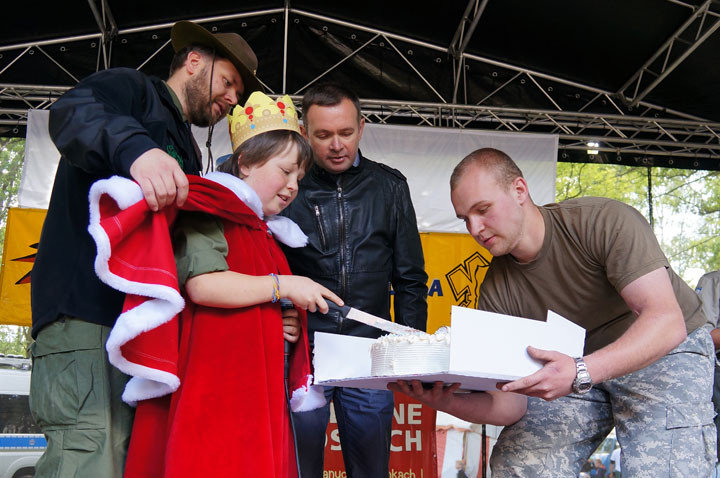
[75,397]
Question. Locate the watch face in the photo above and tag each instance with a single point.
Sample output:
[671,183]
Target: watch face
[583,382]
[582,387]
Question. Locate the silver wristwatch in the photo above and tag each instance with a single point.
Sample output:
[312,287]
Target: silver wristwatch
[582,383]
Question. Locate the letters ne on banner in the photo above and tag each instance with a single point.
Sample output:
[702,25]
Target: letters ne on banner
[412,443]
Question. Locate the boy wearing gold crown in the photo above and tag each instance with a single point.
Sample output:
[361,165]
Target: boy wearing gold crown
[226,349]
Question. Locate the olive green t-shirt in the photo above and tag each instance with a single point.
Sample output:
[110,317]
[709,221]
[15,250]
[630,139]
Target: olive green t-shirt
[593,248]
[199,245]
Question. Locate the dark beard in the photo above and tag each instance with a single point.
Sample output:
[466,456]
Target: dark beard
[198,100]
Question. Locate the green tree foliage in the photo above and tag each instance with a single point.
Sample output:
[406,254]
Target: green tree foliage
[12,152]
[623,183]
[685,207]
[13,339]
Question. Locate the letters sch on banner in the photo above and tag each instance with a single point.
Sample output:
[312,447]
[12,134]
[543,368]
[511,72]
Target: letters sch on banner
[412,442]
[401,439]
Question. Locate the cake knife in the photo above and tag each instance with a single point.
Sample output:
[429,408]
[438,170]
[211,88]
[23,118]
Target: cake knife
[372,320]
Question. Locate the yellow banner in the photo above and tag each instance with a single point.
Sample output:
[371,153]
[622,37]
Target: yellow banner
[22,234]
[456,265]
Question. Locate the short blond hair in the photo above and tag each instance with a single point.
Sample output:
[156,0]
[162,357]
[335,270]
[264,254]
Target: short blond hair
[504,168]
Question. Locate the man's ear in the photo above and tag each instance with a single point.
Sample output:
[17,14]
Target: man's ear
[303,131]
[361,125]
[520,188]
[194,63]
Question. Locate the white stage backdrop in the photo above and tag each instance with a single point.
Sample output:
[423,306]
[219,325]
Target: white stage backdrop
[425,155]
[41,160]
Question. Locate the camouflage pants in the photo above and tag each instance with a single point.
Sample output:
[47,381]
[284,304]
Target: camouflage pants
[662,415]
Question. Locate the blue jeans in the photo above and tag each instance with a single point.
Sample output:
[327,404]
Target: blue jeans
[364,419]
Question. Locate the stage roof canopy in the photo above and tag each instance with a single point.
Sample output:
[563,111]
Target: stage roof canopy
[638,80]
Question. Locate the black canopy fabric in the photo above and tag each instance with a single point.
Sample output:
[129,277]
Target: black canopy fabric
[561,66]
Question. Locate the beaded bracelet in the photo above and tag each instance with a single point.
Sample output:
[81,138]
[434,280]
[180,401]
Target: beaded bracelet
[276,287]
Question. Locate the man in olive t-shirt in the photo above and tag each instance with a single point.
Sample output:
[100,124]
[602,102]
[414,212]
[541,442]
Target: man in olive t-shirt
[647,365]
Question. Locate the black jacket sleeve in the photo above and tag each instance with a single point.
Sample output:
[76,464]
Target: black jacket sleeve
[409,279]
[94,125]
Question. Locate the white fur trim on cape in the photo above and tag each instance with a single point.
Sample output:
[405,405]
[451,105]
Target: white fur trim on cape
[307,397]
[166,302]
[282,227]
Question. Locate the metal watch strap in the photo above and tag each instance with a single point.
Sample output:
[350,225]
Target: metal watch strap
[582,383]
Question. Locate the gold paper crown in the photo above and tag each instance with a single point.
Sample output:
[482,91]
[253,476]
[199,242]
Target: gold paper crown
[260,115]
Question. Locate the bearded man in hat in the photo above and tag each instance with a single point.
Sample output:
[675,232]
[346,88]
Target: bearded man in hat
[115,122]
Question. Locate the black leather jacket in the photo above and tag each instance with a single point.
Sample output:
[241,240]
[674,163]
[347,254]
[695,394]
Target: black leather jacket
[363,239]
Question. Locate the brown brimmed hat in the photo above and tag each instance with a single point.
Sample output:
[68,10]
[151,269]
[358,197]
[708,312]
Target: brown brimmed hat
[228,45]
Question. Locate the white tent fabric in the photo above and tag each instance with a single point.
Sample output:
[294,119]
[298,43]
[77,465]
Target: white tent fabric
[473,454]
[426,156]
[454,447]
[221,144]
[41,157]
[470,446]
[41,160]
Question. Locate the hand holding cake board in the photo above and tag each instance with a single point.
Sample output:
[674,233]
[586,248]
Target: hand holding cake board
[485,348]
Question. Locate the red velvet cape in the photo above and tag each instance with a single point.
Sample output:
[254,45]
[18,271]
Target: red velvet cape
[228,417]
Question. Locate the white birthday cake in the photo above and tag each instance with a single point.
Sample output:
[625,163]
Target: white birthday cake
[405,354]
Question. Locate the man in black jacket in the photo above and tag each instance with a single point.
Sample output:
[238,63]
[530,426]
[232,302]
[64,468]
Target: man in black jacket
[115,122]
[363,241]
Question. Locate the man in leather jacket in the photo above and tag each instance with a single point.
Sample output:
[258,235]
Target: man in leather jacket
[115,122]
[363,242]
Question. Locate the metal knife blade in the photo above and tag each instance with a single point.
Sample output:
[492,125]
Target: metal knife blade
[372,320]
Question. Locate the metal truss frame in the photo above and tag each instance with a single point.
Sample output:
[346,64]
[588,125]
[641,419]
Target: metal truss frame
[637,129]
[462,38]
[671,54]
[631,136]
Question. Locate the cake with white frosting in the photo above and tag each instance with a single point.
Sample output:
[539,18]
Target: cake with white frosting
[406,354]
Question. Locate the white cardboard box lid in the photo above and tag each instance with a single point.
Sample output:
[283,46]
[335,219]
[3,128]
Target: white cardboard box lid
[485,348]
[488,344]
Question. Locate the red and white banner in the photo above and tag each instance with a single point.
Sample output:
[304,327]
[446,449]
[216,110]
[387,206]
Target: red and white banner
[412,443]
